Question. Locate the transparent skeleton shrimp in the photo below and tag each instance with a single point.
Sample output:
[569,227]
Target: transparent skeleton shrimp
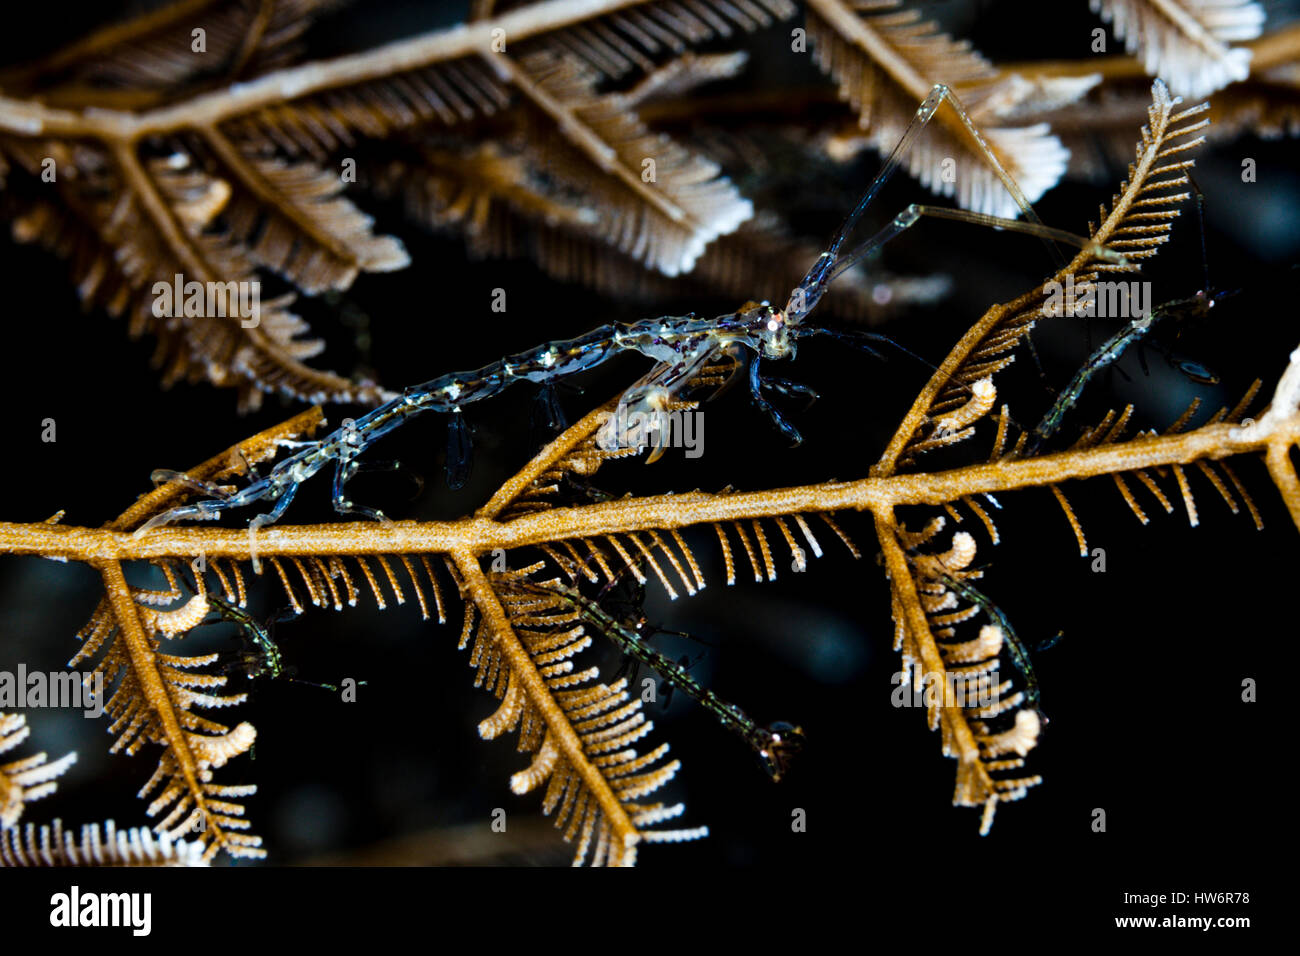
[681,345]
[1177,312]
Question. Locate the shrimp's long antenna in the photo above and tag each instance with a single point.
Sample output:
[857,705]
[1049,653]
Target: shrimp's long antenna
[815,282]
[924,113]
[829,264]
[1200,221]
[909,216]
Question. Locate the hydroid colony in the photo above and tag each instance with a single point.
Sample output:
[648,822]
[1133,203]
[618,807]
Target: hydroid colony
[224,168]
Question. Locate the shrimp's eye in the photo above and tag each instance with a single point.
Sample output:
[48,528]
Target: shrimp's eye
[774,321]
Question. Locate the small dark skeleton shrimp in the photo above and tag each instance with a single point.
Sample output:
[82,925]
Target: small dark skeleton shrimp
[1178,312]
[774,745]
[681,345]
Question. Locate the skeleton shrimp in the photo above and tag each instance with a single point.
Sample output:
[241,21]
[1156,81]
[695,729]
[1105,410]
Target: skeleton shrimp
[681,345]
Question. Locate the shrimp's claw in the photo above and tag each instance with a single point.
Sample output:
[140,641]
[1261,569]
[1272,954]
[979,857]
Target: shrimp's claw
[778,745]
[163,476]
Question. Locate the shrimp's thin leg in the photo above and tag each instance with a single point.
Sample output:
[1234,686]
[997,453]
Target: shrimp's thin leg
[162,476]
[270,517]
[281,504]
[856,339]
[201,511]
[859,340]
[912,214]
[460,451]
[204,510]
[1200,222]
[343,473]
[756,390]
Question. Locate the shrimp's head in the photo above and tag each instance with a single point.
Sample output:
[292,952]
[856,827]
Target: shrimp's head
[771,328]
[776,746]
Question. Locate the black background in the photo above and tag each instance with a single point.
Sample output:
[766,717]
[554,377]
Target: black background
[1144,691]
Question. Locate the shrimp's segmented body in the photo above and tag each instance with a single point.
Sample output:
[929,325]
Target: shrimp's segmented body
[1179,310]
[774,745]
[679,344]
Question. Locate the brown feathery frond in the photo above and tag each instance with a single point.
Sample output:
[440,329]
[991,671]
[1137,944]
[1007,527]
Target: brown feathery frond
[885,62]
[293,219]
[635,37]
[488,194]
[578,197]
[1142,212]
[662,218]
[127,226]
[213,185]
[1136,225]
[1269,110]
[578,729]
[143,61]
[654,199]
[955,673]
[497,200]
[684,74]
[1186,42]
[28,779]
[318,124]
[920,568]
[1013,97]
[336,581]
[579,733]
[1098,128]
[1110,430]
[53,846]
[154,702]
[574,457]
